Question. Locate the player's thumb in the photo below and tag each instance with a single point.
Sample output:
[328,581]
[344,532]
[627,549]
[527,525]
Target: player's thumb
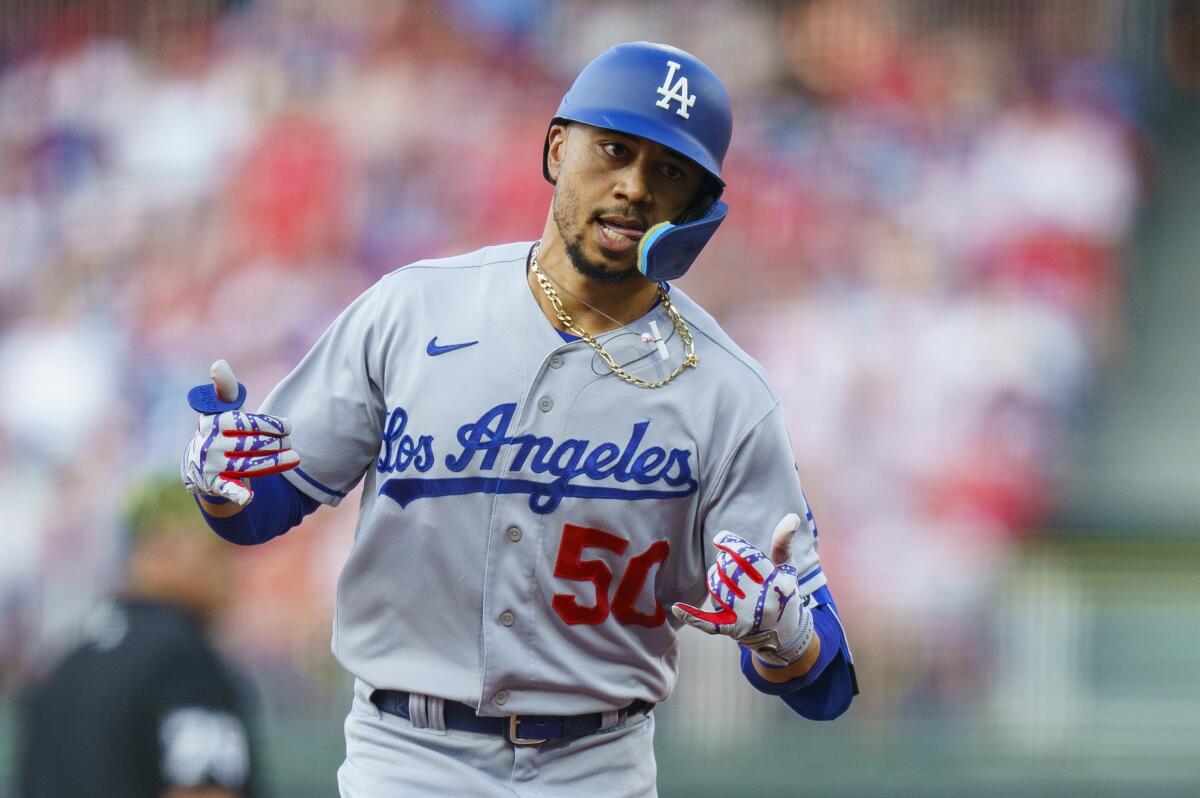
[781,538]
[224,383]
[222,392]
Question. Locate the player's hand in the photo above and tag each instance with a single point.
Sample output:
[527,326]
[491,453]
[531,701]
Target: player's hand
[755,597]
[230,446]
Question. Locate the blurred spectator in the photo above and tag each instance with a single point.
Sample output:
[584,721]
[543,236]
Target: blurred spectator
[145,706]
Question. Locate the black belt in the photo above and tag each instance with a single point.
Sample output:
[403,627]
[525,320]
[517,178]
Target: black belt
[517,729]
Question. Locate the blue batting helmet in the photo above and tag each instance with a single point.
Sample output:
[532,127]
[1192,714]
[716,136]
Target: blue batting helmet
[670,97]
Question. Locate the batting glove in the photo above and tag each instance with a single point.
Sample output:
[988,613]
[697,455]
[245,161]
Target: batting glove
[230,446]
[755,596]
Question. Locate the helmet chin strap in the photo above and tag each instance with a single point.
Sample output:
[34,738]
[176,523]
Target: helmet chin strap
[666,251]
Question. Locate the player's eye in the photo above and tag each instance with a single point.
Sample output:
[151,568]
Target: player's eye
[673,171]
[615,149]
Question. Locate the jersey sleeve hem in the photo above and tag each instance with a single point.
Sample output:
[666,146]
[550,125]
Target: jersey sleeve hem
[811,582]
[313,488]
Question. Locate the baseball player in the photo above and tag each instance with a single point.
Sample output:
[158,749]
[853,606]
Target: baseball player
[562,458]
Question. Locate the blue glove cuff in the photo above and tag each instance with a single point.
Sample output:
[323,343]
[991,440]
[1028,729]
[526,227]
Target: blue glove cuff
[277,507]
[828,631]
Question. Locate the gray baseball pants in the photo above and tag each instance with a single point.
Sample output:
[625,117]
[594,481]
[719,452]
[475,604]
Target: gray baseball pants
[387,755]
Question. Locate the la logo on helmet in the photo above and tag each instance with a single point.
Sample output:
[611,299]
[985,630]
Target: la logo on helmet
[677,92]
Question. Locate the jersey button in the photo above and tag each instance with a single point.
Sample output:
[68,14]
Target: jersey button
[545,403]
[507,618]
[514,533]
[556,362]
[501,697]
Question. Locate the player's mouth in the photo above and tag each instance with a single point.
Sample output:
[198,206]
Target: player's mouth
[618,233]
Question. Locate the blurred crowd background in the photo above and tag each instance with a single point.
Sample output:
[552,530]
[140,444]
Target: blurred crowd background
[961,242]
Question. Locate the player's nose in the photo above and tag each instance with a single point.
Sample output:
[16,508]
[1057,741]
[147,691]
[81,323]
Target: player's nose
[633,183]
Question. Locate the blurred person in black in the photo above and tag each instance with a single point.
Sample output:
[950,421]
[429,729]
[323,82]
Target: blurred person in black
[145,706]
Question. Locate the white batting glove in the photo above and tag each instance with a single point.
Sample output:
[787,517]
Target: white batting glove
[230,446]
[755,597]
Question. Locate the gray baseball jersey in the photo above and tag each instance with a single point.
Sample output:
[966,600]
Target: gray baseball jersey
[528,517]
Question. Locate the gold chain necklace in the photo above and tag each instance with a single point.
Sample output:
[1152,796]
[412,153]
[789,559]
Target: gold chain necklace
[689,360]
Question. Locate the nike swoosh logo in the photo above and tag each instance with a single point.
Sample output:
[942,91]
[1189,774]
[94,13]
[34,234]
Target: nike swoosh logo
[433,350]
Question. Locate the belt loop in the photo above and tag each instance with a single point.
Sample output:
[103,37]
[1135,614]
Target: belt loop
[435,713]
[371,706]
[416,711]
[610,719]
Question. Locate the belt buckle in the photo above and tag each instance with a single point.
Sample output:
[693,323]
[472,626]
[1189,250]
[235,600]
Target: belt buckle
[513,723]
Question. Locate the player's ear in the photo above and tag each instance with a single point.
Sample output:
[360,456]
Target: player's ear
[556,145]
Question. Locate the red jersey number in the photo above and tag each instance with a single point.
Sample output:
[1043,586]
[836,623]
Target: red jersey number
[572,565]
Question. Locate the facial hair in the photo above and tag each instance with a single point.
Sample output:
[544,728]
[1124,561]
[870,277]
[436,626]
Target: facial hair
[565,209]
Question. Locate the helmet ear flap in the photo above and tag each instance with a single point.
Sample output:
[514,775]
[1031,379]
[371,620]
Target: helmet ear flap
[710,191]
[666,251]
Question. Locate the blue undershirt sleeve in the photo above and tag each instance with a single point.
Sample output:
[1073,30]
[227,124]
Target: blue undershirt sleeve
[276,508]
[825,692]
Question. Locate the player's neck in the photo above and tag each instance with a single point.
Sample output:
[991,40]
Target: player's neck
[596,307]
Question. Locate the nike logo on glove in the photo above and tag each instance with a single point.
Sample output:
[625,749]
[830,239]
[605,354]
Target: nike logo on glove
[433,350]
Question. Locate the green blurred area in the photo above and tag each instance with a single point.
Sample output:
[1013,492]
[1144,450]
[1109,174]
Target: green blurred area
[1098,697]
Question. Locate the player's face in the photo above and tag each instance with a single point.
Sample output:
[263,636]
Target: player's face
[609,189]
